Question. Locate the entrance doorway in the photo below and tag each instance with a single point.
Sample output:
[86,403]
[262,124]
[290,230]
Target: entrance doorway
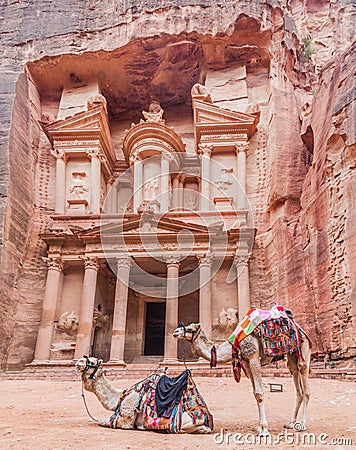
[155,329]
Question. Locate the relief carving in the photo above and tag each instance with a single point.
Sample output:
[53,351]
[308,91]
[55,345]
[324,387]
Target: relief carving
[224,182]
[68,323]
[79,187]
[226,322]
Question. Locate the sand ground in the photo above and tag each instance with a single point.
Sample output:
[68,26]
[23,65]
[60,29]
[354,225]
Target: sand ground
[47,415]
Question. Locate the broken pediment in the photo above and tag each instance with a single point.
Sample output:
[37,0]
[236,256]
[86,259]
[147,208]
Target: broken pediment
[75,133]
[137,226]
[213,123]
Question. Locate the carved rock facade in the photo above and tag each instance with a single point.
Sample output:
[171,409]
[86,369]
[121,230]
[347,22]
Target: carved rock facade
[289,65]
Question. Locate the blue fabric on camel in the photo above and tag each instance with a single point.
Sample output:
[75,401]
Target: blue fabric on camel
[169,392]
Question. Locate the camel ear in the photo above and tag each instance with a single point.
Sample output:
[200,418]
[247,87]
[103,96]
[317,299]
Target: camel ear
[198,326]
[100,361]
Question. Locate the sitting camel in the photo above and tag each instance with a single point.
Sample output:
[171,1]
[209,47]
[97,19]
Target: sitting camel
[253,356]
[94,380]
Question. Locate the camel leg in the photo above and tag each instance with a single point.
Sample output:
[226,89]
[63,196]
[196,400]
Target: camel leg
[254,369]
[188,426]
[304,375]
[293,368]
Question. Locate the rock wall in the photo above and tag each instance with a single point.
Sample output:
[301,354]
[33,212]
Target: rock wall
[300,163]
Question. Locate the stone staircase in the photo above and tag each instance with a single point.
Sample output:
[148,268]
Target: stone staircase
[65,371]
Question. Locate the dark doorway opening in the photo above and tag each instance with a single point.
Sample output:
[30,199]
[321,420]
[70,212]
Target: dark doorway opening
[155,328]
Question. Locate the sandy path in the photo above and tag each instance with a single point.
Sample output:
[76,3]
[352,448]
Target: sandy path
[50,415]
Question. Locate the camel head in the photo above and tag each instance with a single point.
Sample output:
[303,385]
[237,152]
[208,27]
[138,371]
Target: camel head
[89,367]
[189,332]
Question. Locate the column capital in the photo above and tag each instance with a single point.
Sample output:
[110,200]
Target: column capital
[91,262]
[123,261]
[167,156]
[205,259]
[54,263]
[205,149]
[173,260]
[240,259]
[241,147]
[93,153]
[134,157]
[60,154]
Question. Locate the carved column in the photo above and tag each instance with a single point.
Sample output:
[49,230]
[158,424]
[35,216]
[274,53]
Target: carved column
[85,325]
[95,180]
[243,284]
[111,198]
[137,189]
[120,310]
[181,194]
[170,343]
[165,189]
[205,154]
[44,337]
[205,314]
[175,193]
[241,153]
[61,159]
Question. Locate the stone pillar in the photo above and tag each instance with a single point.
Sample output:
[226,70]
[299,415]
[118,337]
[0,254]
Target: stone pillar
[114,198]
[60,182]
[165,188]
[205,313]
[170,343]
[243,284]
[95,181]
[241,152]
[181,194]
[109,196]
[137,184]
[120,310]
[85,325]
[205,154]
[44,337]
[175,193]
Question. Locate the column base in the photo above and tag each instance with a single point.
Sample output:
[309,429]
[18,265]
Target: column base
[203,361]
[169,362]
[117,362]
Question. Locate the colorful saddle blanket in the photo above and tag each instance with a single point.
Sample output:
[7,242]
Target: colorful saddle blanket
[253,318]
[190,401]
[279,336]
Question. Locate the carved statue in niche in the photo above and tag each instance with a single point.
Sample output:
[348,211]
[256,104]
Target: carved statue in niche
[96,99]
[78,187]
[151,189]
[224,182]
[226,322]
[201,91]
[68,323]
[99,319]
[191,201]
[155,113]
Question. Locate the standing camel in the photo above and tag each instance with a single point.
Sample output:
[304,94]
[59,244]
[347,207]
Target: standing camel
[253,356]
[94,380]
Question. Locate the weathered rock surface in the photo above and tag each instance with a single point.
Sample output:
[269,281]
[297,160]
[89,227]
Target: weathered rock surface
[299,70]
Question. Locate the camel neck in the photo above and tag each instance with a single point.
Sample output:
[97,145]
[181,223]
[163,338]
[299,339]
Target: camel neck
[202,347]
[106,394]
